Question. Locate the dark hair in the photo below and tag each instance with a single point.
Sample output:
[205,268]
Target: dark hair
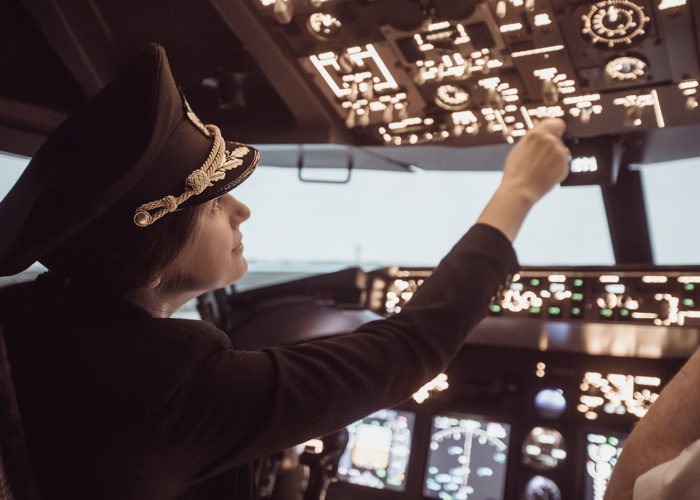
[126,264]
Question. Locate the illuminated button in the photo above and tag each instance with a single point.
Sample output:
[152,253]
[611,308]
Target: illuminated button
[688,302]
[578,297]
[554,311]
[534,282]
[576,311]
[578,282]
[625,313]
[495,309]
[606,313]
[535,310]
[613,440]
[689,286]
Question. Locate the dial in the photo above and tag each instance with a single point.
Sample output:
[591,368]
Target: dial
[467,458]
[625,68]
[542,488]
[451,97]
[323,25]
[544,448]
[614,23]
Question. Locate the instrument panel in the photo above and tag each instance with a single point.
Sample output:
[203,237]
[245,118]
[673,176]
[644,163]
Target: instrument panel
[507,423]
[480,72]
[659,297]
[525,410]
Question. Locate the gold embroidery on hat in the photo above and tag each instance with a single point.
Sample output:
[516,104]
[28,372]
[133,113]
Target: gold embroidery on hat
[194,119]
[212,170]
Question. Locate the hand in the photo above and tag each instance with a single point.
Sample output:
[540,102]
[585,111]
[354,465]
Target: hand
[538,162]
[534,166]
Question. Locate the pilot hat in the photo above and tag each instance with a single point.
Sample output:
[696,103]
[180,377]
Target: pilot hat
[132,155]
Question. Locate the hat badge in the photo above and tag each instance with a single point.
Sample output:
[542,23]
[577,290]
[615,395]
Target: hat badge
[194,119]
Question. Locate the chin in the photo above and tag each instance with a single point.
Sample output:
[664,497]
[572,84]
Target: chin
[241,271]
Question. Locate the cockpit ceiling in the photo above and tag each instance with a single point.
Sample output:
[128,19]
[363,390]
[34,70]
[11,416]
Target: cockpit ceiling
[372,73]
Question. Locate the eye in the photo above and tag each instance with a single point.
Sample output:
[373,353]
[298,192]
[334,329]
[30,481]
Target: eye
[215,205]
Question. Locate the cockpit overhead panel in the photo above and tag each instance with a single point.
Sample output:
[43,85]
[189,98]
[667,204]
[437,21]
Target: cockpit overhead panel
[473,73]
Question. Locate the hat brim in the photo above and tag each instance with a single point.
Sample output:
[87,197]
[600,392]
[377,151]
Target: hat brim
[233,177]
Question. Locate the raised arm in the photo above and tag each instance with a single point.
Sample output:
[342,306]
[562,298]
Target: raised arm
[290,394]
[533,167]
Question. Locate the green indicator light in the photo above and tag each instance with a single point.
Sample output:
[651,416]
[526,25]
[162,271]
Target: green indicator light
[688,302]
[554,310]
[380,472]
[606,313]
[393,481]
[578,282]
[534,282]
[613,441]
[577,297]
[376,422]
[535,310]
[576,311]
[689,286]
[624,312]
[495,308]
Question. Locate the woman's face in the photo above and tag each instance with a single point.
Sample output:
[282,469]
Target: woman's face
[213,258]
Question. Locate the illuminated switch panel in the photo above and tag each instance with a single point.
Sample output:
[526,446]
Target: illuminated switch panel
[668,297]
[652,298]
[391,288]
[477,73]
[617,394]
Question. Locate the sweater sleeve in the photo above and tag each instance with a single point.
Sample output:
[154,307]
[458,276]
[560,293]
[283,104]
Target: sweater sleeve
[237,406]
[676,479]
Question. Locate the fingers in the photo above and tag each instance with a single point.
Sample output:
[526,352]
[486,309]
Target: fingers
[555,126]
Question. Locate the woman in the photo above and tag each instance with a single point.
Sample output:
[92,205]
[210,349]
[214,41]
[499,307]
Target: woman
[120,401]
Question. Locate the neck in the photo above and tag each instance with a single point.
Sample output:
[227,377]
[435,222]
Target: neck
[158,302]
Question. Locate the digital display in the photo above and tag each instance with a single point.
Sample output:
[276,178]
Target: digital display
[602,451]
[378,450]
[467,458]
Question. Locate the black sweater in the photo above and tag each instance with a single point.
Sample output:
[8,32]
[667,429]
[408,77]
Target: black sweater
[119,405]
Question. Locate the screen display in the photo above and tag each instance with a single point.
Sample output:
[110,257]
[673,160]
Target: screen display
[467,458]
[602,451]
[378,450]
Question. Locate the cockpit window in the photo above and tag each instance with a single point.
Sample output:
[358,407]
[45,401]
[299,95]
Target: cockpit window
[11,167]
[673,210]
[384,218]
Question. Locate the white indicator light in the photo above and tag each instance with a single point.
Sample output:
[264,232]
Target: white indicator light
[689,279]
[688,84]
[533,449]
[439,26]
[671,4]
[542,50]
[511,27]
[615,288]
[581,98]
[542,20]
[584,164]
[652,381]
[654,279]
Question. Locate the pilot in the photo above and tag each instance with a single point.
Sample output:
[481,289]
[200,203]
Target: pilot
[661,457]
[126,204]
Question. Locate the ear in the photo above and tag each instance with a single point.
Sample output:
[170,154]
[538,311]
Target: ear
[155,282]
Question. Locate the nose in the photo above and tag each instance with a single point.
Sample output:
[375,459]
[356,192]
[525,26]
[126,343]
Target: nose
[239,211]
